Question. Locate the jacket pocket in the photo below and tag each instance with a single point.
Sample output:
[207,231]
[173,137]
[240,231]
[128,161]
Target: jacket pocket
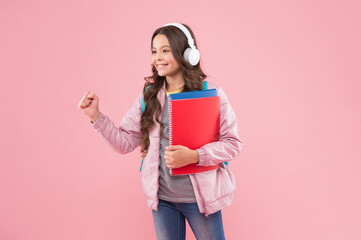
[215,185]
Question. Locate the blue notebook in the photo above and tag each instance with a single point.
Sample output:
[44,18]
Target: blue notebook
[193,94]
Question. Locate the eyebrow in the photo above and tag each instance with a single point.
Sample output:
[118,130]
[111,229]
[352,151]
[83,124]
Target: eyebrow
[162,46]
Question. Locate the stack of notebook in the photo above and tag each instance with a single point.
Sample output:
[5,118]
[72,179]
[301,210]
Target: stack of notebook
[193,122]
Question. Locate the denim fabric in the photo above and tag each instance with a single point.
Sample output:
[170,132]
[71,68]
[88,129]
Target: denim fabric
[169,222]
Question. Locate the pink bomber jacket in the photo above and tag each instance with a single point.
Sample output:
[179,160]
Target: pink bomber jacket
[214,189]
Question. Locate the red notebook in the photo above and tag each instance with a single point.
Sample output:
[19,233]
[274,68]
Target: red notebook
[194,123]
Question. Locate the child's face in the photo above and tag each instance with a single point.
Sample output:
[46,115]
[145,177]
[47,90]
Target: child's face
[162,57]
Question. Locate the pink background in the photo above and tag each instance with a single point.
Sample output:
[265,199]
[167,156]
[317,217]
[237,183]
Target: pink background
[291,70]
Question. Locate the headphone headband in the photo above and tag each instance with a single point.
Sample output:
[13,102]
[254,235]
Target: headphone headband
[185,31]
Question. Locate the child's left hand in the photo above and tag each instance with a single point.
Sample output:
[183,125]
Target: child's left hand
[179,156]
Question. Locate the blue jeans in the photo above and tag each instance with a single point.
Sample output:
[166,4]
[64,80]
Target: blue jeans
[169,222]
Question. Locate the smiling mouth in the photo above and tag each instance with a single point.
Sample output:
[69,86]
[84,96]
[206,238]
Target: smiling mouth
[161,66]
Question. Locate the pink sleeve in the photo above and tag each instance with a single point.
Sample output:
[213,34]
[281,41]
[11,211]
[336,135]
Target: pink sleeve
[128,135]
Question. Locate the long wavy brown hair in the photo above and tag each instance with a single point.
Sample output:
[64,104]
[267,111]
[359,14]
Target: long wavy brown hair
[193,78]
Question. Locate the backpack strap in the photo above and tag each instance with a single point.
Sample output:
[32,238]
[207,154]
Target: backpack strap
[143,106]
[205,85]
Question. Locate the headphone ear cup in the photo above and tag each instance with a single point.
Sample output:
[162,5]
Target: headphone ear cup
[186,54]
[192,56]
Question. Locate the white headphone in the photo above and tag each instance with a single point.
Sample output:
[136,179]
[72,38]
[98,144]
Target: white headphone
[191,54]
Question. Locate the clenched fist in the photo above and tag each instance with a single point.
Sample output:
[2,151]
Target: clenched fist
[89,105]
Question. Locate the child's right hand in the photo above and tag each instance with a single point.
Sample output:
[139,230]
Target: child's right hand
[89,105]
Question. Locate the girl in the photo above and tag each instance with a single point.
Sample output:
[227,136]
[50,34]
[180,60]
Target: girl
[199,197]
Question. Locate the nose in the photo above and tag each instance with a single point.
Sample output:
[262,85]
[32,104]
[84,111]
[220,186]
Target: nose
[159,55]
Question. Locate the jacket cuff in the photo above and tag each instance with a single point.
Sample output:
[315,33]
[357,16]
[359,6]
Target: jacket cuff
[99,121]
[202,157]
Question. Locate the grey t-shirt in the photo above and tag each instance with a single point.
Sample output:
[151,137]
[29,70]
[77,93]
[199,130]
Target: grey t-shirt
[172,188]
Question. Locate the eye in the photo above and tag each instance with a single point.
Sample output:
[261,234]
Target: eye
[153,52]
[165,50]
